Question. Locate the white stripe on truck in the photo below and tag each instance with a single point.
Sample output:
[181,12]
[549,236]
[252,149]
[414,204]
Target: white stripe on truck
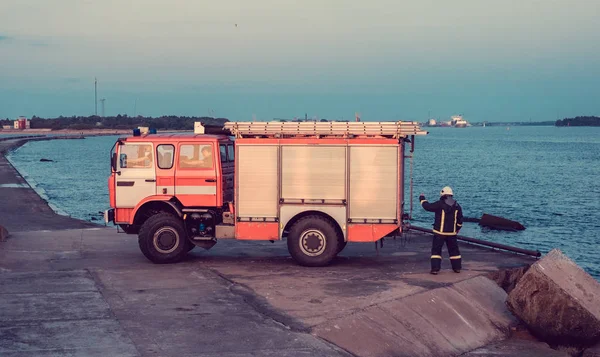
[196,190]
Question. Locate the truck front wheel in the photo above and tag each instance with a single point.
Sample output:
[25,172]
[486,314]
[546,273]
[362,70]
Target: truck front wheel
[162,239]
[313,241]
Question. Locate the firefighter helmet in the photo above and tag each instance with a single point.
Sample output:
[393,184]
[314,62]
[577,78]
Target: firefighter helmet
[446,191]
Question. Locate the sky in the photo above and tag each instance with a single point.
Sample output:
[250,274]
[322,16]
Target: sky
[504,60]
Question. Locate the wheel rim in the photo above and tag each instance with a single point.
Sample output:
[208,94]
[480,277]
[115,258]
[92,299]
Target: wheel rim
[166,240]
[313,242]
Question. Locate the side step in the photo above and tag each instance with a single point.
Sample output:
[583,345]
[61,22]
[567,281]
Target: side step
[204,242]
[222,231]
[198,238]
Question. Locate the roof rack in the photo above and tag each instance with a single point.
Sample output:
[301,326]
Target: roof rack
[390,129]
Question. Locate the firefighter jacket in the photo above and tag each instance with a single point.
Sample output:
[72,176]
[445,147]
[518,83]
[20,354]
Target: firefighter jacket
[448,215]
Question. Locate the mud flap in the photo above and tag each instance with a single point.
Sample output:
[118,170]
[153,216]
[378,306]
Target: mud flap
[206,244]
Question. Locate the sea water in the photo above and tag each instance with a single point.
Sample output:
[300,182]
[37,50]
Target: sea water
[544,177]
[75,182]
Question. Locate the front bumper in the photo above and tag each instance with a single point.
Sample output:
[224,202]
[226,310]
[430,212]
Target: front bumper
[109,215]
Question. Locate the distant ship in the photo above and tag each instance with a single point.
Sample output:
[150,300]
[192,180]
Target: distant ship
[458,122]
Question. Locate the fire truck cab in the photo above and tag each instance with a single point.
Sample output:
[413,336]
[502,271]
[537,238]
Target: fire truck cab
[318,185]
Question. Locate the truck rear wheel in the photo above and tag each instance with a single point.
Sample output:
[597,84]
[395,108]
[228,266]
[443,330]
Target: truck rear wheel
[313,241]
[162,239]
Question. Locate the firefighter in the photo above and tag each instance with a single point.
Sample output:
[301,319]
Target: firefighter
[144,158]
[448,222]
[207,156]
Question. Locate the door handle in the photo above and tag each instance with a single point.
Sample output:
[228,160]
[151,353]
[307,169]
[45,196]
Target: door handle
[210,180]
[150,180]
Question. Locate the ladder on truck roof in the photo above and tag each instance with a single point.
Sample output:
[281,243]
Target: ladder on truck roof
[397,129]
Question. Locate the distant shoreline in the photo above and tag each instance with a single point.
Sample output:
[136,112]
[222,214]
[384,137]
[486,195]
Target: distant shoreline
[579,121]
[84,132]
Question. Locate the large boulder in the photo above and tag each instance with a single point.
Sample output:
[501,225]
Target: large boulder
[3,234]
[558,301]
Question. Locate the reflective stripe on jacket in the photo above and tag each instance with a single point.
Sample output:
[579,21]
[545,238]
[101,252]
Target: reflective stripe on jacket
[448,217]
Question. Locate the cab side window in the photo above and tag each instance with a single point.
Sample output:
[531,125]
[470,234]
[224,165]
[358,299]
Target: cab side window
[165,154]
[196,156]
[230,153]
[136,156]
[223,152]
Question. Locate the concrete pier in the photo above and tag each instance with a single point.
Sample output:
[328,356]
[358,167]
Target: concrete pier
[75,289]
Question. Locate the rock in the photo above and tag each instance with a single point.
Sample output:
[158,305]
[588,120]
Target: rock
[500,223]
[516,348]
[3,234]
[570,351]
[46,160]
[559,302]
[507,279]
[592,352]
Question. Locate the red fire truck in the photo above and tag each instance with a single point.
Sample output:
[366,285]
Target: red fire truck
[319,185]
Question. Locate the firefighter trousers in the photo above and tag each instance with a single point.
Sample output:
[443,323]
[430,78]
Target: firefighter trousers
[453,251]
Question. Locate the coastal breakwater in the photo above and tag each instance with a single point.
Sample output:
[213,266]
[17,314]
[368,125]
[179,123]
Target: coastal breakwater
[365,306]
[21,208]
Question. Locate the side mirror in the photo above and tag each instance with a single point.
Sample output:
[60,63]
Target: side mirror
[113,162]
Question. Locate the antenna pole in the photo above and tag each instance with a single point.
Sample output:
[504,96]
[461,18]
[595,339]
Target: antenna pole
[102,101]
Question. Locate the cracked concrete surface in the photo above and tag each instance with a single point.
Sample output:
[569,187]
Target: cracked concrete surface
[75,306]
[82,291]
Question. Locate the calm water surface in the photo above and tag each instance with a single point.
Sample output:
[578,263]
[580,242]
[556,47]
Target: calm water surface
[544,177]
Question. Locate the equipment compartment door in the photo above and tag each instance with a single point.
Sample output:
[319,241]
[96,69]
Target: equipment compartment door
[373,183]
[136,176]
[196,178]
[257,181]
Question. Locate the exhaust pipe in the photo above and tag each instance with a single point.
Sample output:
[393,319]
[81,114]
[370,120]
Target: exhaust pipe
[535,253]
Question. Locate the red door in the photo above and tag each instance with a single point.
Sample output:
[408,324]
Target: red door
[196,178]
[165,169]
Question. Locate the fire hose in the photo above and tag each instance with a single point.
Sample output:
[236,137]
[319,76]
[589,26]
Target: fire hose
[535,253]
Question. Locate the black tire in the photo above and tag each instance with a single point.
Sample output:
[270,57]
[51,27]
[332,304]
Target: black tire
[313,241]
[162,239]
[341,245]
